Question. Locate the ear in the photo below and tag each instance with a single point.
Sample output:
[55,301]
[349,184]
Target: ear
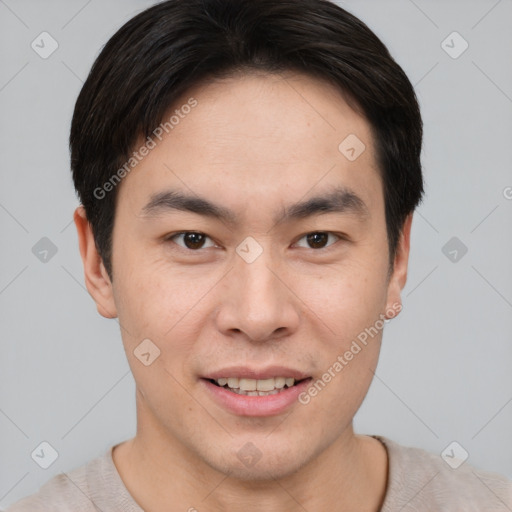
[96,277]
[399,275]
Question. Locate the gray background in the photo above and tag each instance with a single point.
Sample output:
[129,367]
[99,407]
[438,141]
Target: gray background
[444,372]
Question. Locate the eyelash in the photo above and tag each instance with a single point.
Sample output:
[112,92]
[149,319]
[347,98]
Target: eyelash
[170,238]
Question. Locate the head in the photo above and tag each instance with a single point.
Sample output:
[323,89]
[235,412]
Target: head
[285,136]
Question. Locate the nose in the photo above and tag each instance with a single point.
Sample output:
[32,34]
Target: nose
[257,300]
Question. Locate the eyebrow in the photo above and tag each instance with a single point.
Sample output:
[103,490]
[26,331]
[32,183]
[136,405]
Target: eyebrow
[337,200]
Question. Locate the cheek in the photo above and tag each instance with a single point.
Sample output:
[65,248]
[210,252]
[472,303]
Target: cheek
[156,307]
[347,298]
[165,305]
[345,392]
[351,302]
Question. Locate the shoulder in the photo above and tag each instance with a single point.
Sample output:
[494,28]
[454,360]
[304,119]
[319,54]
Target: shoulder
[72,491]
[421,481]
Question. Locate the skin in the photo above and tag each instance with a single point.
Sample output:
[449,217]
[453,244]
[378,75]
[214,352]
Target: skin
[254,144]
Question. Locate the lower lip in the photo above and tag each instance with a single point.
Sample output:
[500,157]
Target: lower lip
[244,405]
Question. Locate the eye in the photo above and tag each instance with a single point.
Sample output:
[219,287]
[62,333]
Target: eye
[319,239]
[192,240]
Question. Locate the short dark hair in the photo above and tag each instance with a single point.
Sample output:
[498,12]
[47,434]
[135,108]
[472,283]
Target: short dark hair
[160,53]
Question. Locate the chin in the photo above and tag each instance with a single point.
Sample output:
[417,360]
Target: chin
[250,464]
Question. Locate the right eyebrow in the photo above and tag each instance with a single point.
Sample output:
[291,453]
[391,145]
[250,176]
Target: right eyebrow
[175,200]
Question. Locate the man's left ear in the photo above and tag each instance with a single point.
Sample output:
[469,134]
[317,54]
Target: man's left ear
[399,275]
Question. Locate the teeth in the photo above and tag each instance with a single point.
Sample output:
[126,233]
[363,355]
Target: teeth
[265,393]
[265,385]
[279,382]
[254,393]
[233,382]
[253,387]
[247,384]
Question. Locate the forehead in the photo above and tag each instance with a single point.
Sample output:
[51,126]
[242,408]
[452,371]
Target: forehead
[261,138]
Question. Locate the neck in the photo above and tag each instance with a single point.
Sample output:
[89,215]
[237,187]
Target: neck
[158,470]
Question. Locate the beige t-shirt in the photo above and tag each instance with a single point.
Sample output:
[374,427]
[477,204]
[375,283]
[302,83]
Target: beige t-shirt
[417,481]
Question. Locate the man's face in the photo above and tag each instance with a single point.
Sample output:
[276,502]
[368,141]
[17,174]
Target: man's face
[271,287]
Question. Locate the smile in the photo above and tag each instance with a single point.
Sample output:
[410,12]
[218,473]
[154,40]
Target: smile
[255,387]
[255,397]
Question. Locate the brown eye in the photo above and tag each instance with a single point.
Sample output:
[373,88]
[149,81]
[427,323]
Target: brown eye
[191,240]
[318,239]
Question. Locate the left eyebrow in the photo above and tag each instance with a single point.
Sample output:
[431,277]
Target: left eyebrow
[338,200]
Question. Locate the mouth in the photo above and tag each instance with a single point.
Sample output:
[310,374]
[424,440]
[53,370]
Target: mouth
[257,387]
[245,391]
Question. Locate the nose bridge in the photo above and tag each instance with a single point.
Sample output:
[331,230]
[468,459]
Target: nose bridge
[259,291]
[259,282]
[258,302]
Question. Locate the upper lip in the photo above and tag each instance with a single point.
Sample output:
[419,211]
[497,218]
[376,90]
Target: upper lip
[245,372]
